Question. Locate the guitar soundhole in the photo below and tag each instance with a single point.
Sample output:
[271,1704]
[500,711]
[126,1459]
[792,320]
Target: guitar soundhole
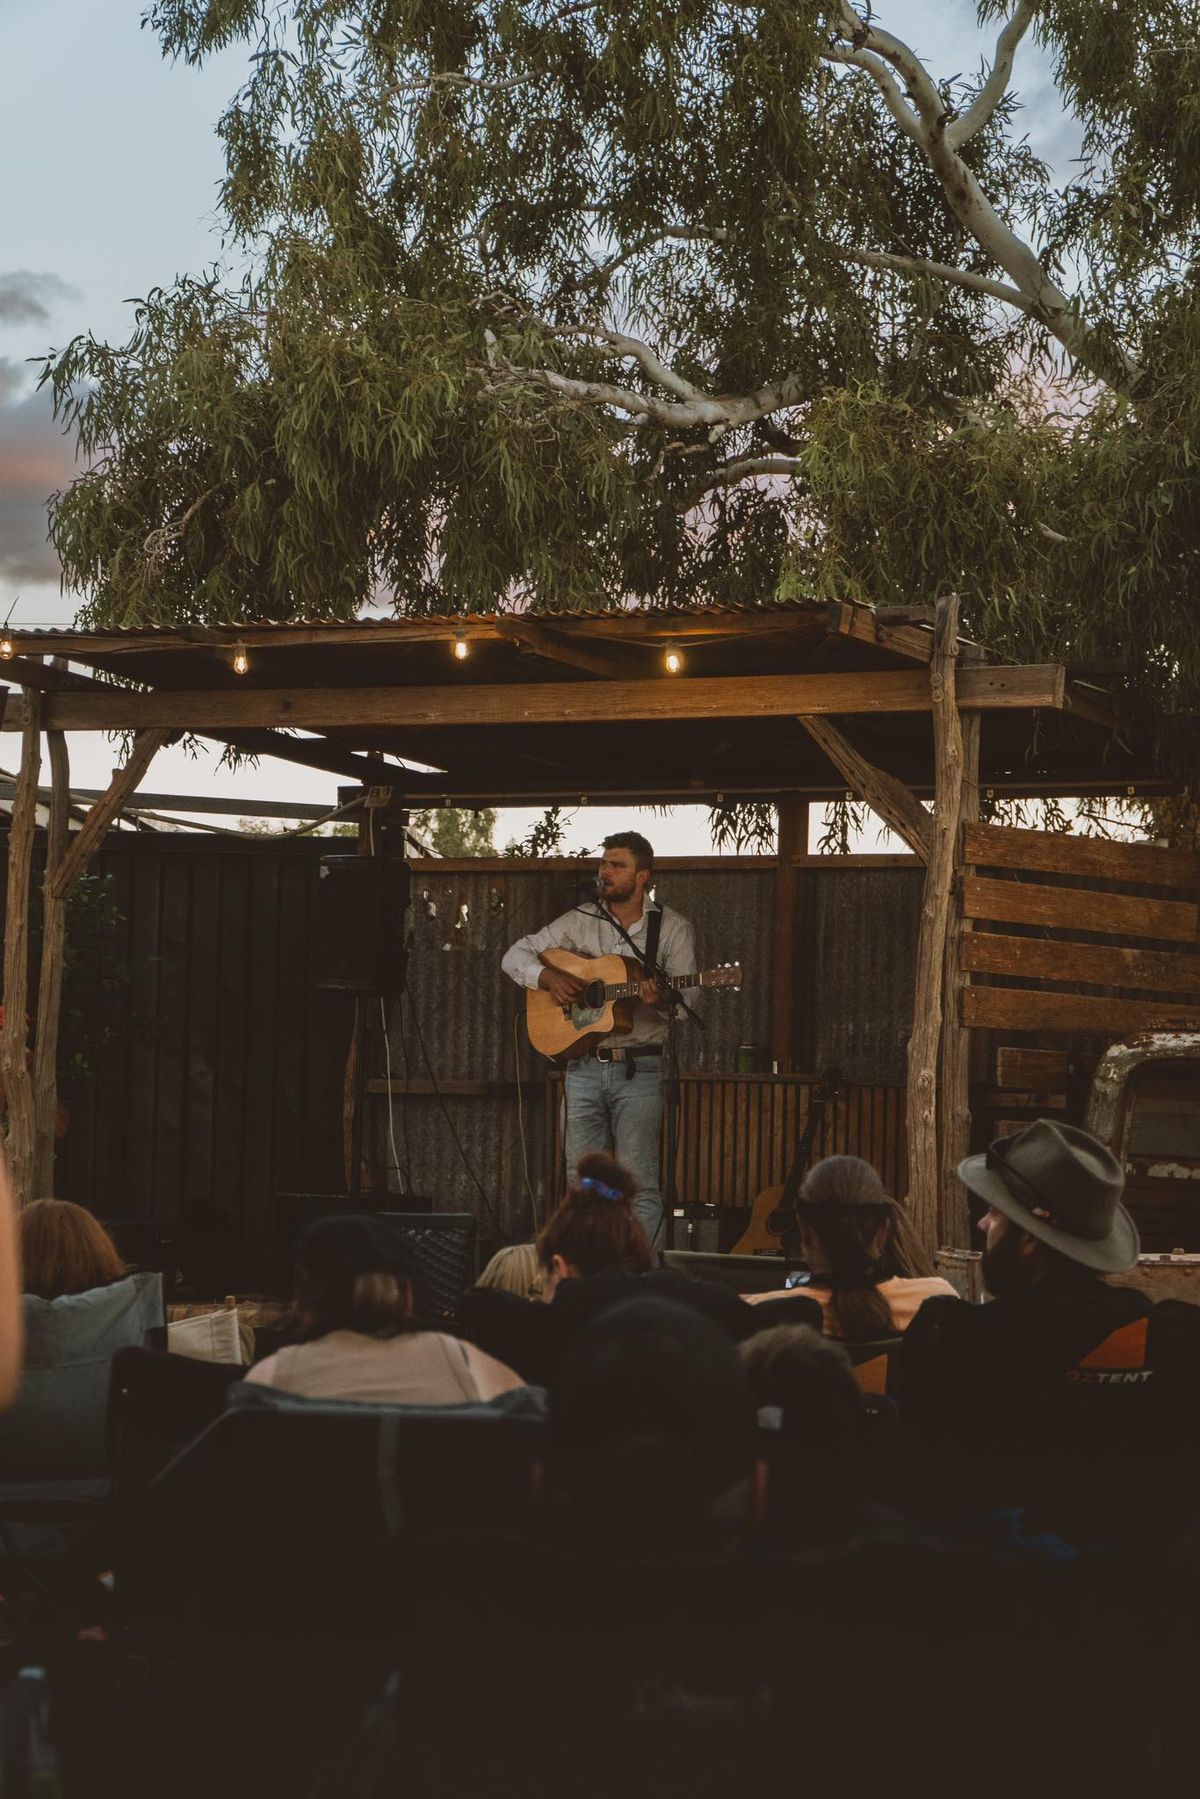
[593,996]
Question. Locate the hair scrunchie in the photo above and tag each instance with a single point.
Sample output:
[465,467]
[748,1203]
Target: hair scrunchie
[589,1185]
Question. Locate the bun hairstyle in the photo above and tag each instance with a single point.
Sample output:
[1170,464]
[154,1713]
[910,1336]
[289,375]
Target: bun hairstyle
[843,1205]
[594,1227]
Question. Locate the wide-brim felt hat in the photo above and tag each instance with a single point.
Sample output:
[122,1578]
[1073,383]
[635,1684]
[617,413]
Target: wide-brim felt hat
[1063,1186]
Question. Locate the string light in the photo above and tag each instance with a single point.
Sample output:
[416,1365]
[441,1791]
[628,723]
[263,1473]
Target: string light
[241,662]
[673,659]
[462,649]
[7,648]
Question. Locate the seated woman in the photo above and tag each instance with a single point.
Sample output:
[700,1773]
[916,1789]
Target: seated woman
[514,1269]
[81,1304]
[869,1273]
[592,1253]
[354,1308]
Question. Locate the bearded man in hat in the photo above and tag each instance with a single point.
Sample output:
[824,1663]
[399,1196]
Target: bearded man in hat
[1051,1385]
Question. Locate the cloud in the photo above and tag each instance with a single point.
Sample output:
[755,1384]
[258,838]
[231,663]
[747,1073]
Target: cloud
[35,460]
[29,299]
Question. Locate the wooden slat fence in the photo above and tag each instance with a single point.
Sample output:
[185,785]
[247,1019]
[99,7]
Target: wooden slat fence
[1079,936]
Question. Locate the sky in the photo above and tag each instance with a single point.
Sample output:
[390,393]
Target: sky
[117,194]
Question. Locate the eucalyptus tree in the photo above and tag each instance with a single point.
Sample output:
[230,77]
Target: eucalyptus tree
[557,302]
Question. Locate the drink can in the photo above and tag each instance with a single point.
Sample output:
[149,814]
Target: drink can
[747,1058]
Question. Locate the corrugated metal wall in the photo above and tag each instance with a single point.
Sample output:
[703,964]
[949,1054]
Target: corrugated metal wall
[858,961]
[226,1087]
[463,1018]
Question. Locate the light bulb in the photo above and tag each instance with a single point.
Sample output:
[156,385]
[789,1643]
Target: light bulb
[673,660]
[241,662]
[7,648]
[461,649]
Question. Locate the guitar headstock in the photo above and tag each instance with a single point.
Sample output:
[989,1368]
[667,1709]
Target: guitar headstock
[730,975]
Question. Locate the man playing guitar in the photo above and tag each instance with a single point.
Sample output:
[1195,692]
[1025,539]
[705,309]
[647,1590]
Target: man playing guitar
[614,1095]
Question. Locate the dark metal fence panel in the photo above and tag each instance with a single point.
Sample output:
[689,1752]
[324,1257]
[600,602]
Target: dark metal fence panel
[225,1086]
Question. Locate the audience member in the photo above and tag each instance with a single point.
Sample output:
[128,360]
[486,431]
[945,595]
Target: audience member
[81,1304]
[869,1272]
[1059,1390]
[594,1229]
[652,1436]
[64,1249]
[829,1456]
[514,1269]
[360,1341]
[10,1290]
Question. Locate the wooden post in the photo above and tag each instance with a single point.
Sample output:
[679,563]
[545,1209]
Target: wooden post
[14,1067]
[88,838]
[954,1219]
[923,1166]
[793,842]
[50,971]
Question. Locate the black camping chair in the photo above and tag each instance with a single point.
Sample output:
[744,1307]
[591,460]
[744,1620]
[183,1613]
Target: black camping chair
[157,1404]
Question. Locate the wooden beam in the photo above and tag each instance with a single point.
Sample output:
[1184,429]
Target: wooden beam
[863,624]
[1079,909]
[1053,852]
[886,796]
[921,1107]
[1094,964]
[558,647]
[14,1067]
[90,835]
[1024,1009]
[1041,1070]
[582,702]
[371,770]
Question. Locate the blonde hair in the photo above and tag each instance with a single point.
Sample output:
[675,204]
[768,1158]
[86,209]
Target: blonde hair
[513,1269]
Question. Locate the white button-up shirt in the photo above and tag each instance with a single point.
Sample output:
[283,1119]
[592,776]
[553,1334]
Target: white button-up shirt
[587,932]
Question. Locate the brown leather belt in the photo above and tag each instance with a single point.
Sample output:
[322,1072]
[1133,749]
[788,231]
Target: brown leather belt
[632,1054]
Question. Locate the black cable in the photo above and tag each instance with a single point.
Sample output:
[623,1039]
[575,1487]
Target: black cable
[499,1228]
[408,1180]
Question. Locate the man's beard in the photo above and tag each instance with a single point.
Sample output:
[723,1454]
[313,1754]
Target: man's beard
[618,891]
[1004,1268]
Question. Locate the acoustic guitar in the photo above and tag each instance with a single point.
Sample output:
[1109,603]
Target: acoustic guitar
[774,1212]
[605,1007]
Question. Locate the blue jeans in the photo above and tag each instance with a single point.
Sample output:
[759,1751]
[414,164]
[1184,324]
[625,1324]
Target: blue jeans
[609,1109]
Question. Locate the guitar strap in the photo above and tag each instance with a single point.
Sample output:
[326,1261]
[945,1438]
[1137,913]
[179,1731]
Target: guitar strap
[653,933]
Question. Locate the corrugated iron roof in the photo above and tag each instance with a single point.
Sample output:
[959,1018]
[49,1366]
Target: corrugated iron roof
[450,620]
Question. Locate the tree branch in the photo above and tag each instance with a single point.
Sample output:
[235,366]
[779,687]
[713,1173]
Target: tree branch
[963,129]
[733,472]
[659,372]
[940,271]
[719,413]
[967,200]
[859,59]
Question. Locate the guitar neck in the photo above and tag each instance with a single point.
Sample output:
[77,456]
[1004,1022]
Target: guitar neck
[629,989]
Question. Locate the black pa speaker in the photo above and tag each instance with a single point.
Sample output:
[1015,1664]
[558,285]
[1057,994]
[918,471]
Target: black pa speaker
[360,924]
